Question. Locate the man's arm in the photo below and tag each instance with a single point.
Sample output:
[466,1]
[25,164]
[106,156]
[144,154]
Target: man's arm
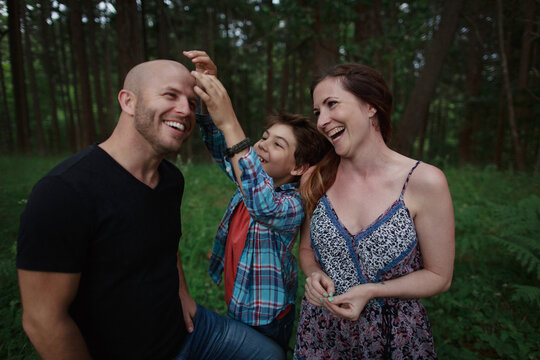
[46,297]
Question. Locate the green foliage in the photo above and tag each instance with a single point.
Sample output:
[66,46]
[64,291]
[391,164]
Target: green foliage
[206,196]
[491,310]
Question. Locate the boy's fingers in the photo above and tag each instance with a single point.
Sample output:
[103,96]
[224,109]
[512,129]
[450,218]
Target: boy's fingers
[202,94]
[193,53]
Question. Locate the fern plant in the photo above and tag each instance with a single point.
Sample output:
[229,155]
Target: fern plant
[518,231]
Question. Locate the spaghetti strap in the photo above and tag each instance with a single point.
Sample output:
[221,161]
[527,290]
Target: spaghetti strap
[408,177]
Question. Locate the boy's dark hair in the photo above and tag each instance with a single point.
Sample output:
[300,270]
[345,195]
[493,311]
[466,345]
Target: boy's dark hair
[311,145]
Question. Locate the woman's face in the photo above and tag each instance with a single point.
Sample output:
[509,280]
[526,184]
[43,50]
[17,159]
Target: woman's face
[341,117]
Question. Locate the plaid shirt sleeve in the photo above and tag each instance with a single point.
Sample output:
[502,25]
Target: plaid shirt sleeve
[281,208]
[215,143]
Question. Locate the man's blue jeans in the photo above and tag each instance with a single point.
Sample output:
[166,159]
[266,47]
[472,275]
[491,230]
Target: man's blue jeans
[217,337]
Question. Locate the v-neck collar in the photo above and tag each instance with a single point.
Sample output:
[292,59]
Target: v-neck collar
[129,175]
[381,219]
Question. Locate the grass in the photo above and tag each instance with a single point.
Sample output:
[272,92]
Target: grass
[490,312]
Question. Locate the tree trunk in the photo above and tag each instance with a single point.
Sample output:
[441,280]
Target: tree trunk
[499,134]
[520,161]
[269,76]
[302,85]
[144,32]
[526,44]
[96,74]
[525,118]
[37,116]
[325,50]
[110,99]
[537,164]
[130,51]
[269,62]
[64,80]
[284,93]
[163,31]
[435,54]
[368,26]
[47,55]
[472,89]
[17,76]
[78,45]
[7,144]
[422,139]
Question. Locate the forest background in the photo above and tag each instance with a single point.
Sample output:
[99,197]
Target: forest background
[466,82]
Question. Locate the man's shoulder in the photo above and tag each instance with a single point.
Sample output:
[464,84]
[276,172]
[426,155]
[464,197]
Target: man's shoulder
[85,159]
[69,174]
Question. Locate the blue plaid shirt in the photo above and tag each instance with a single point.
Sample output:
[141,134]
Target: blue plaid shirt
[266,277]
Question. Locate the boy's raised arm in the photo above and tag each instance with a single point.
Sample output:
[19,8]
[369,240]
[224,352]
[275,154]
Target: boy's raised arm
[219,105]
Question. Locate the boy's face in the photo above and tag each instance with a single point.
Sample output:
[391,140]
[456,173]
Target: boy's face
[276,151]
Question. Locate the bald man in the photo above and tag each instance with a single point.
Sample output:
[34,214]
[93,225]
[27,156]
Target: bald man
[97,255]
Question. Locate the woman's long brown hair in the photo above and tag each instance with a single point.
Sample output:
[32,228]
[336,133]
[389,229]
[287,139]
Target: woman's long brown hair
[320,180]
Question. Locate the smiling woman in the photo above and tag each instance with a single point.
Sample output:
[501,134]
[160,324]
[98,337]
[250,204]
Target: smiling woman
[370,212]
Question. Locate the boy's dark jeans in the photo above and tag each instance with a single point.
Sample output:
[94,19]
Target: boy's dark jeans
[280,330]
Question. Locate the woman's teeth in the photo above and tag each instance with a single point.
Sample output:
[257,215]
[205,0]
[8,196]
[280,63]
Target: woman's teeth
[334,133]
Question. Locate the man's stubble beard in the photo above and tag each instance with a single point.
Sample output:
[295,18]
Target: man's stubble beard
[146,124]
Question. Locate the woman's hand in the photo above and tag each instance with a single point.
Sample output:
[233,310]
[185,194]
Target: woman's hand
[349,305]
[318,288]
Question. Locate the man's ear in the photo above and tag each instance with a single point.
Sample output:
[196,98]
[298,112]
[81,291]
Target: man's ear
[127,100]
[299,170]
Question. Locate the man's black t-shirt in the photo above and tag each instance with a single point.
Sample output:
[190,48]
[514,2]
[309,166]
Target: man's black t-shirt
[91,216]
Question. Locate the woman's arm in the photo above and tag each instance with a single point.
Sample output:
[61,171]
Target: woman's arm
[429,201]
[318,285]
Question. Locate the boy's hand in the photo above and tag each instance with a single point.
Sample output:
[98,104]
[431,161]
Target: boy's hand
[203,63]
[214,95]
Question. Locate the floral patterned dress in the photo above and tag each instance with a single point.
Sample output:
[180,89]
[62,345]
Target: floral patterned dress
[388,328]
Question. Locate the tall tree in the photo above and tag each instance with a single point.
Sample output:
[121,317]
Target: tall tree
[78,45]
[95,68]
[270,60]
[64,75]
[325,49]
[17,76]
[50,72]
[368,26]
[524,101]
[418,105]
[472,87]
[162,24]
[128,28]
[30,63]
[6,136]
[520,159]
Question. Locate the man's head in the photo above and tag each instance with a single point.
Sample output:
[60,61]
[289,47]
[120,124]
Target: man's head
[158,98]
[289,146]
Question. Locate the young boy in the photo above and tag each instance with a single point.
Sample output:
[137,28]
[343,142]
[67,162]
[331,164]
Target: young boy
[253,245]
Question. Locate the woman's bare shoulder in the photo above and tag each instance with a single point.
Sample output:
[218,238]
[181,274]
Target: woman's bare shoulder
[427,184]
